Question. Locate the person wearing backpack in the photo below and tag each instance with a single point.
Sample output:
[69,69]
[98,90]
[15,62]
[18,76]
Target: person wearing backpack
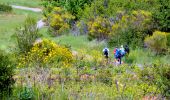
[106,52]
[122,51]
[117,55]
[127,50]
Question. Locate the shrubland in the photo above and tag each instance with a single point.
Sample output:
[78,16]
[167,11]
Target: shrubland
[48,70]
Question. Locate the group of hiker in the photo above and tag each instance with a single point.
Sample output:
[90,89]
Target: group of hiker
[119,53]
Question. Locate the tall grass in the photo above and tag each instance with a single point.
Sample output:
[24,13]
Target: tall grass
[146,56]
[8,24]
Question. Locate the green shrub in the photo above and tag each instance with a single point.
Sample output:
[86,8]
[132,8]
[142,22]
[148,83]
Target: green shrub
[131,28]
[26,35]
[46,54]
[5,8]
[104,76]
[168,39]
[26,94]
[59,21]
[157,42]
[99,28]
[162,15]
[72,6]
[6,73]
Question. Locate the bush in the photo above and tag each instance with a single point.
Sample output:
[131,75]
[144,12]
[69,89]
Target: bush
[72,6]
[157,42]
[131,28]
[59,21]
[5,8]
[27,35]
[161,15]
[26,94]
[168,39]
[46,53]
[6,73]
[99,28]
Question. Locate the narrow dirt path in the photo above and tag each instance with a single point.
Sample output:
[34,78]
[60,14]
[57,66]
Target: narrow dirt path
[27,8]
[40,24]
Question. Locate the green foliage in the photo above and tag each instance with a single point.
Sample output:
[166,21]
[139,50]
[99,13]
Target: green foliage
[110,8]
[45,53]
[26,94]
[5,8]
[104,76]
[157,42]
[159,75]
[72,6]
[131,28]
[6,74]
[162,15]
[26,35]
[99,28]
[168,39]
[59,21]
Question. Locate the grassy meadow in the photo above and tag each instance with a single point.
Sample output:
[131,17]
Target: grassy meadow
[9,23]
[29,3]
[48,64]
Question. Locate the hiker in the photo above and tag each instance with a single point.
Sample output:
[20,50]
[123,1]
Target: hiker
[106,52]
[122,50]
[117,55]
[127,50]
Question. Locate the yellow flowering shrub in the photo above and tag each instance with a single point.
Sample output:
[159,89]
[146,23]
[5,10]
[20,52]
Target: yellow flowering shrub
[47,53]
[59,20]
[138,19]
[131,28]
[157,42]
[99,28]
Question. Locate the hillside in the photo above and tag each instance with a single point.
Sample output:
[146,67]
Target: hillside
[54,49]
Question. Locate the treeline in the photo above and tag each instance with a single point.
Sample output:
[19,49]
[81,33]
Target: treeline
[119,22]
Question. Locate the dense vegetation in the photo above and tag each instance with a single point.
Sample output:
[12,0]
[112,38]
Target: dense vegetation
[64,60]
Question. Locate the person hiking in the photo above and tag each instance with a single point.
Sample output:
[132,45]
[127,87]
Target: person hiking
[117,55]
[122,51]
[106,52]
[127,50]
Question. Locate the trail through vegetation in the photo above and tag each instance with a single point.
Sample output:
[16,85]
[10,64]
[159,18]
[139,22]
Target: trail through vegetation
[53,49]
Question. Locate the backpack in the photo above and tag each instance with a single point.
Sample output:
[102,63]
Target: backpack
[105,52]
[117,53]
[122,52]
[127,49]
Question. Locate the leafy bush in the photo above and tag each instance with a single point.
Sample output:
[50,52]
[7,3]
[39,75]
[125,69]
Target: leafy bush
[168,39]
[26,94]
[46,53]
[161,15]
[27,35]
[99,28]
[131,28]
[59,21]
[157,42]
[5,8]
[6,73]
[104,76]
[159,75]
[72,6]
